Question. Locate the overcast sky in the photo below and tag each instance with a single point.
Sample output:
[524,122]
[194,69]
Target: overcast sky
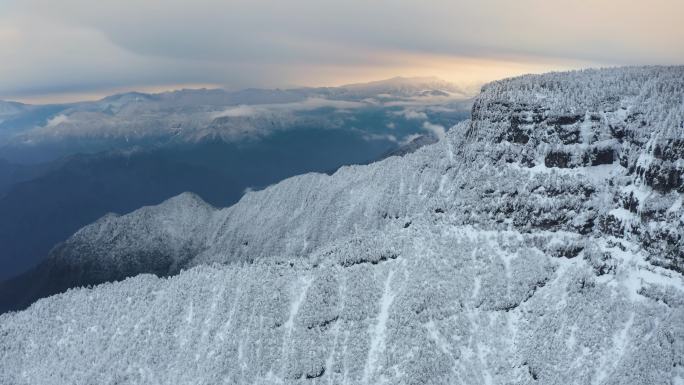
[57,50]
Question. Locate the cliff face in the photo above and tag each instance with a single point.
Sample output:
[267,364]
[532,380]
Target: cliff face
[615,138]
[540,242]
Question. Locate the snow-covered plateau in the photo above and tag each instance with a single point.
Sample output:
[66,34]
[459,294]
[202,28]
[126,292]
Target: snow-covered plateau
[540,242]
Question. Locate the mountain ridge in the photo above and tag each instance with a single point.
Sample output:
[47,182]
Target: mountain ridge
[82,160]
[535,243]
[189,115]
[409,80]
[511,147]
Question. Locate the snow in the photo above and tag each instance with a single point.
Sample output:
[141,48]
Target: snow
[377,343]
[623,215]
[458,263]
[676,207]
[294,306]
[620,343]
[243,312]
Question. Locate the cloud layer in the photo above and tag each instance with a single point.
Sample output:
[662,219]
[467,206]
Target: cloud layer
[308,104]
[82,45]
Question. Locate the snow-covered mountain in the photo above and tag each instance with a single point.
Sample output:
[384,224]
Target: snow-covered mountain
[192,115]
[403,88]
[64,166]
[601,161]
[539,242]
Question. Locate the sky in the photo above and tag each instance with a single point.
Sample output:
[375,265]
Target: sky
[53,51]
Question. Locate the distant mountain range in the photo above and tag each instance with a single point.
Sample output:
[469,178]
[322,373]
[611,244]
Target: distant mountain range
[538,242]
[39,133]
[64,166]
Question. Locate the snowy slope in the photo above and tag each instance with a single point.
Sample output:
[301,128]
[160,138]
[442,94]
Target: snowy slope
[162,229]
[428,304]
[484,173]
[541,242]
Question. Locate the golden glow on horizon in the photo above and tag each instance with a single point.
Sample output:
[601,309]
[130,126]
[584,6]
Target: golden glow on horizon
[51,48]
[469,73]
[70,97]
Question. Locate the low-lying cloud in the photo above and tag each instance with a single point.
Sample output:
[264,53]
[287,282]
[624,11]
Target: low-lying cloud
[56,120]
[308,104]
[414,115]
[435,129]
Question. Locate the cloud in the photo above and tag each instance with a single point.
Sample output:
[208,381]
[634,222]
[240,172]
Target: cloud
[56,120]
[307,104]
[316,103]
[239,111]
[78,45]
[430,100]
[409,138]
[387,137]
[414,115]
[437,130]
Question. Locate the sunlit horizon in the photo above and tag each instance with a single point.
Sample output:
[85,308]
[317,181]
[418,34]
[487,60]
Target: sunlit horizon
[469,74]
[56,52]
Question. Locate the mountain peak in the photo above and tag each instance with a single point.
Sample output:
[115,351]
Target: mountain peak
[402,81]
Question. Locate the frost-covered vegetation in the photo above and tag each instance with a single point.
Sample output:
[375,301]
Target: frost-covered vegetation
[540,242]
[423,305]
[504,169]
